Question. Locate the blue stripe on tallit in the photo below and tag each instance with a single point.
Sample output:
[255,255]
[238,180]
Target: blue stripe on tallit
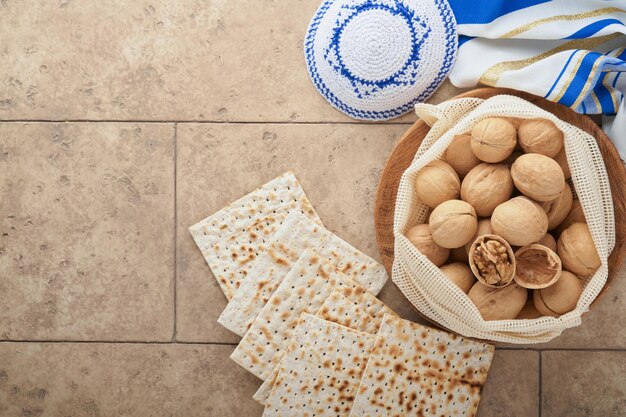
[593,28]
[486,11]
[580,78]
[561,73]
[604,96]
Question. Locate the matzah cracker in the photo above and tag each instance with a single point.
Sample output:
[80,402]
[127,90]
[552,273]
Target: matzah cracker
[343,310]
[234,236]
[308,284]
[414,370]
[271,266]
[338,309]
[320,376]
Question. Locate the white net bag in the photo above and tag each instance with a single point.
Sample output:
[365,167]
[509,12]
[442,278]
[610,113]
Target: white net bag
[423,283]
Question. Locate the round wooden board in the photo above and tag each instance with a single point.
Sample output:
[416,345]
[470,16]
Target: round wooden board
[404,151]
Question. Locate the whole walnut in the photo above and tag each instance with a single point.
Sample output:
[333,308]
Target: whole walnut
[559,298]
[548,241]
[538,176]
[498,303]
[453,223]
[540,136]
[493,139]
[558,209]
[486,186]
[421,238]
[460,156]
[537,266]
[575,215]
[561,159]
[492,261]
[460,274]
[520,221]
[484,228]
[577,250]
[437,182]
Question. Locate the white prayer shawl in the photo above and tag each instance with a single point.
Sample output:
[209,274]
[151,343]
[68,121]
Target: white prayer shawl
[571,52]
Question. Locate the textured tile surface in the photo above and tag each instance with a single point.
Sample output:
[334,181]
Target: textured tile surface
[512,388]
[130,380]
[602,327]
[583,384]
[184,60]
[86,231]
[337,165]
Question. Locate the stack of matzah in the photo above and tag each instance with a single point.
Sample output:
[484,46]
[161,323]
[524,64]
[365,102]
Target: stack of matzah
[304,302]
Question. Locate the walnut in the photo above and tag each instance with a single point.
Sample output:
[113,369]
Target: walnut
[493,139]
[577,250]
[536,266]
[437,182]
[559,298]
[575,215]
[498,303]
[492,261]
[540,136]
[460,274]
[538,176]
[520,221]
[460,156]
[486,186]
[421,238]
[453,223]
[548,241]
[558,209]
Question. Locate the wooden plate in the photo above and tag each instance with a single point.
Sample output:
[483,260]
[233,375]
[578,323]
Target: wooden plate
[405,150]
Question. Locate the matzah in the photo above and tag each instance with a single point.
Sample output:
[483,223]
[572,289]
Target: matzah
[414,370]
[338,309]
[296,234]
[320,375]
[308,284]
[234,236]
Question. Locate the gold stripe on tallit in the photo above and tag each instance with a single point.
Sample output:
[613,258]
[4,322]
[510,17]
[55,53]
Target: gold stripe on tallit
[493,73]
[596,101]
[567,82]
[560,18]
[587,85]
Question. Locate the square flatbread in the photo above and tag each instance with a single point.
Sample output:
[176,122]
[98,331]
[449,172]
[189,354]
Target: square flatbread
[338,309]
[296,234]
[320,375]
[414,370]
[234,236]
[308,284]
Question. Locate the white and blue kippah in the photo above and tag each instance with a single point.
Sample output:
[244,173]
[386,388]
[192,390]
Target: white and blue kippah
[374,59]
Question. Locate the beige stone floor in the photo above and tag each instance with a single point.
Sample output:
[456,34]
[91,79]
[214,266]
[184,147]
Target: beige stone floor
[123,123]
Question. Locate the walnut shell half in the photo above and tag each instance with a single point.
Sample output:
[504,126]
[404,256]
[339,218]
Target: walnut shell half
[537,266]
[492,261]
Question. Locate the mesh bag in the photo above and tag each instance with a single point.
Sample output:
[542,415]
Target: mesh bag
[429,290]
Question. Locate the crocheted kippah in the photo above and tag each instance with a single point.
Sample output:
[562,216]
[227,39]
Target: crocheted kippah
[374,59]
